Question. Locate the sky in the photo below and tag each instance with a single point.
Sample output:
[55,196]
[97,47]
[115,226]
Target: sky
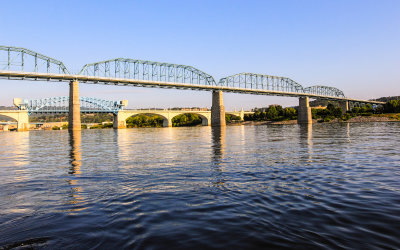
[353,45]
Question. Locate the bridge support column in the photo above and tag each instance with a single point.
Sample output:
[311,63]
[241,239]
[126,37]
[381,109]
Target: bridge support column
[119,121]
[217,110]
[23,121]
[74,117]
[345,106]
[304,112]
[241,115]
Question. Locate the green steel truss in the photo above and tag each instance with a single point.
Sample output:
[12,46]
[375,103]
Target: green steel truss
[14,59]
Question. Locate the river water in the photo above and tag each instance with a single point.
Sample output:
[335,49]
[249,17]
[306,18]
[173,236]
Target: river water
[325,186]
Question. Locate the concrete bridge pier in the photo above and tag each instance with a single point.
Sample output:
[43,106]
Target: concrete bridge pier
[217,110]
[345,106]
[119,121]
[22,120]
[241,115]
[22,126]
[304,112]
[74,117]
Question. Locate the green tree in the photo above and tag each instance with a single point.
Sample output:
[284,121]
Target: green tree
[279,109]
[290,113]
[186,120]
[337,112]
[330,107]
[392,106]
[272,113]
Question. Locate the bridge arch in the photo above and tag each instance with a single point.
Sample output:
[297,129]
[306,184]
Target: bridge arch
[13,118]
[166,120]
[236,115]
[20,116]
[205,118]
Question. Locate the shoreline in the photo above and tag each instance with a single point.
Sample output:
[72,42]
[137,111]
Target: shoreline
[357,119]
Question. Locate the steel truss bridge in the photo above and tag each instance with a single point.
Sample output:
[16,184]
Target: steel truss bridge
[23,64]
[56,105]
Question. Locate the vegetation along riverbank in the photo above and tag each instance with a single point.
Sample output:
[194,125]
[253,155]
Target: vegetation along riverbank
[274,114]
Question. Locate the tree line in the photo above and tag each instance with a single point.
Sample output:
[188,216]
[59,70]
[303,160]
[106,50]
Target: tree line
[332,111]
[272,113]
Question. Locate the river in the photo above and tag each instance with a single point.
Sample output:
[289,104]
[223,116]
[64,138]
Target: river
[272,186]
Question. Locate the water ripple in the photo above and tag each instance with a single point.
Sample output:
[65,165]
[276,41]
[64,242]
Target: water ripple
[321,186]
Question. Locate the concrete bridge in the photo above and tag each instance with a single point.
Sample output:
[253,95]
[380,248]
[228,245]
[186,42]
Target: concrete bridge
[168,115]
[57,105]
[139,73]
[21,116]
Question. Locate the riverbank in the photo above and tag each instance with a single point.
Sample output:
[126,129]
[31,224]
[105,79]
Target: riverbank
[357,119]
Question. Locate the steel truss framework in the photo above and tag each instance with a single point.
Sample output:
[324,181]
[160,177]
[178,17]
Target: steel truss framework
[147,70]
[262,82]
[324,91]
[21,59]
[61,105]
[177,76]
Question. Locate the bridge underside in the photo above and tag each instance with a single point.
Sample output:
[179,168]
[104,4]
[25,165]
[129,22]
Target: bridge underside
[159,84]
[20,116]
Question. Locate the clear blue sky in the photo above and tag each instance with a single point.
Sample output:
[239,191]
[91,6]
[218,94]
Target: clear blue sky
[351,45]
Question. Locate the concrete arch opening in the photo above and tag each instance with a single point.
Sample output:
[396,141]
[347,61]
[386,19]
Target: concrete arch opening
[190,119]
[231,117]
[7,123]
[20,117]
[147,119]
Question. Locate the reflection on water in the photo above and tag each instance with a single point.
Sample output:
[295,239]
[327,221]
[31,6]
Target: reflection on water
[218,143]
[247,187]
[74,195]
[75,138]
[306,139]
[218,148]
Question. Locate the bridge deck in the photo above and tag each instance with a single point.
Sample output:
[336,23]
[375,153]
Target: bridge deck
[15,75]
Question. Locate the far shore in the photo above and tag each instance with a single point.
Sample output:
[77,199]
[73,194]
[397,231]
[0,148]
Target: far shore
[358,119]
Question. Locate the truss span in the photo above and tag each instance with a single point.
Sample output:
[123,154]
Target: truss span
[261,82]
[25,60]
[61,105]
[148,70]
[324,91]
